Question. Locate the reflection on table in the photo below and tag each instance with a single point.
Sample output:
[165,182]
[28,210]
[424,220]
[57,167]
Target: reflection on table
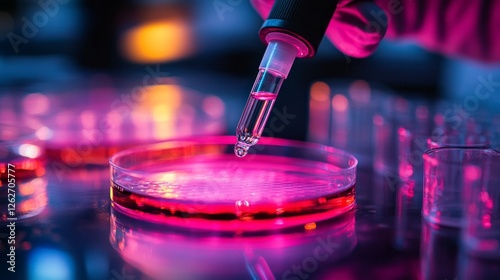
[164,252]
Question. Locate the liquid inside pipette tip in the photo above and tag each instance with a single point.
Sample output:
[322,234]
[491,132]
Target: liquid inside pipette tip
[241,149]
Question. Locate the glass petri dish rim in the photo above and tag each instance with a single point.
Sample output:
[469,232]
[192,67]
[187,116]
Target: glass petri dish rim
[483,143]
[480,149]
[231,140]
[225,214]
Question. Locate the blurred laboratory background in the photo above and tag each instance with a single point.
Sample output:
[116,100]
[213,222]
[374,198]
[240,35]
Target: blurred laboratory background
[92,77]
[213,46]
[121,73]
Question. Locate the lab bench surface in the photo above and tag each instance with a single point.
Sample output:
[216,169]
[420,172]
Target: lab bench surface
[79,235]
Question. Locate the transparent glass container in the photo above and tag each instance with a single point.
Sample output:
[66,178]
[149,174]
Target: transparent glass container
[200,183]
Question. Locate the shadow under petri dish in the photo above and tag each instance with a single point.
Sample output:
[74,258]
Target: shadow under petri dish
[200,183]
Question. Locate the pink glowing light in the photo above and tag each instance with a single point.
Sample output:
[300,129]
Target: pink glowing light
[429,159]
[439,119]
[340,103]
[36,104]
[405,170]
[88,119]
[422,112]
[487,200]
[486,221]
[360,91]
[319,112]
[472,172]
[213,106]
[378,120]
[29,151]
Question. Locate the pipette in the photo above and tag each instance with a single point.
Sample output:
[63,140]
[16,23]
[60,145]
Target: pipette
[293,29]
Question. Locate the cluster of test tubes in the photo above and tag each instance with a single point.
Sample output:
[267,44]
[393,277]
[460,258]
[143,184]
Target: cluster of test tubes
[437,162]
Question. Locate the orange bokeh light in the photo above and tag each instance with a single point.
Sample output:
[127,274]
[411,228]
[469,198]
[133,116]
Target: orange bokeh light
[158,41]
[310,226]
[320,91]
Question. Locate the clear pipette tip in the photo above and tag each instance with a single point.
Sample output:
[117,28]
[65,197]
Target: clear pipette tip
[273,70]
[241,149]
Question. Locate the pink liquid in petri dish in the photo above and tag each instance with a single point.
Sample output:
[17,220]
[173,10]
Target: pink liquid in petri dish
[269,190]
[199,183]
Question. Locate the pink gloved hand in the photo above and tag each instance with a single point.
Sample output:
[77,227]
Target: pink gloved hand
[459,28]
[354,28]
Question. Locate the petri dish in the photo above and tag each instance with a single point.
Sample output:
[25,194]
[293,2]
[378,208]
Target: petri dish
[87,128]
[30,199]
[200,183]
[85,122]
[21,153]
[22,168]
